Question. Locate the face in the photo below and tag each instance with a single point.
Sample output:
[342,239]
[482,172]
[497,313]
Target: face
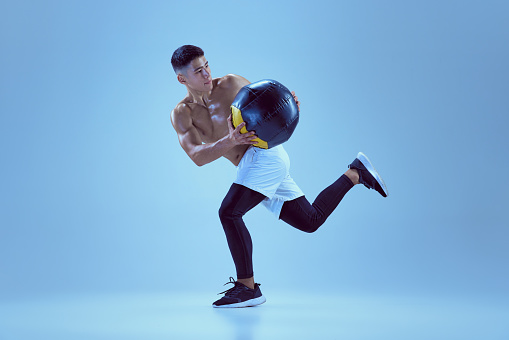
[197,75]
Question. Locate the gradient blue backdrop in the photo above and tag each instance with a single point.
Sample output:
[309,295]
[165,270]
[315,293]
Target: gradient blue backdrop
[96,194]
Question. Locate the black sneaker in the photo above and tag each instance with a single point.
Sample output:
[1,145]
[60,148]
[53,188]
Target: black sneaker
[240,296]
[368,175]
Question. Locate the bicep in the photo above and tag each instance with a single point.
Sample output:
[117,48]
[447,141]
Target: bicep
[189,140]
[188,135]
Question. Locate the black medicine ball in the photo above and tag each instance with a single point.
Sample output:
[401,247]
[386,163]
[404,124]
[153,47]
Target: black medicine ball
[268,108]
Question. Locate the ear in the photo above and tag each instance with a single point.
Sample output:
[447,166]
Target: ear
[181,79]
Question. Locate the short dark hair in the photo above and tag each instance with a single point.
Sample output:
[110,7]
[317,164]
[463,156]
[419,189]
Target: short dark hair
[184,55]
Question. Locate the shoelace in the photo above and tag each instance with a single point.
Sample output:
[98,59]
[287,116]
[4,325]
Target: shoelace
[232,291]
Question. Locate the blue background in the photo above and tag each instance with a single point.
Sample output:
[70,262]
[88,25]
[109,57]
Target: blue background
[97,196]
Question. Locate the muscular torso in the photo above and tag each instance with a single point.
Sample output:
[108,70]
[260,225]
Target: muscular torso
[210,118]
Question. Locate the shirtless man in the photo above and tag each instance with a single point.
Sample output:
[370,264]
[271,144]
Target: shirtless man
[203,124]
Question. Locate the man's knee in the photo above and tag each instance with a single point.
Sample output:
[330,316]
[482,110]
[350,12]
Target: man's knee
[223,212]
[227,212]
[309,226]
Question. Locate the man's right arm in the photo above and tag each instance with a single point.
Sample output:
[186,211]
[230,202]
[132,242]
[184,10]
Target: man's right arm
[191,142]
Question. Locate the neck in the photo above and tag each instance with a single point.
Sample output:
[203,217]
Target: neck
[198,96]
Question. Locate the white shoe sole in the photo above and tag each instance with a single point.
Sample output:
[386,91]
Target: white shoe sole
[365,160]
[249,303]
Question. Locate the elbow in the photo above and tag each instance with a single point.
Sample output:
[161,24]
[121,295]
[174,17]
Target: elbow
[198,161]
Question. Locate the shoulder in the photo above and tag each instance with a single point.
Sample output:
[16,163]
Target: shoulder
[182,109]
[232,81]
[181,115]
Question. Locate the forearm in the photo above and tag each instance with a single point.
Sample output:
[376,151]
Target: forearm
[209,152]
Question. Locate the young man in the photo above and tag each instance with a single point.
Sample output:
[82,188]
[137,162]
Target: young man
[203,124]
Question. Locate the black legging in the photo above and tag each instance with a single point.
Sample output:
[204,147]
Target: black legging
[299,213]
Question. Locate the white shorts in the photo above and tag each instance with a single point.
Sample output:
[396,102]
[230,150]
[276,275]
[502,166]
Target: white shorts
[267,171]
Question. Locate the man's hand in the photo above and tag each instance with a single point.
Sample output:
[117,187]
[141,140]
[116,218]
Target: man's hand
[296,100]
[237,137]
